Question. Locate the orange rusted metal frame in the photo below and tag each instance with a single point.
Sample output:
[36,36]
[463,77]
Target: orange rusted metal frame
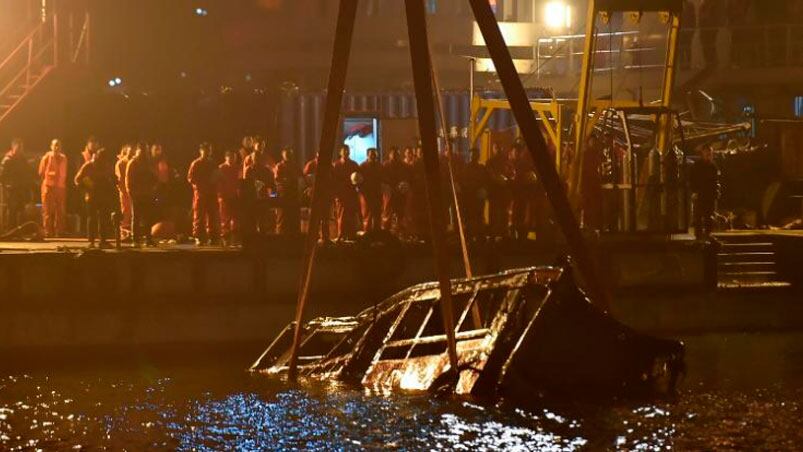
[346,17]
[547,173]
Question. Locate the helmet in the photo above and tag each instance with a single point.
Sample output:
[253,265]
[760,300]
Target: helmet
[356,178]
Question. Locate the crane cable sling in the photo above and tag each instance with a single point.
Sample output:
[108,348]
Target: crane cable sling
[475,312]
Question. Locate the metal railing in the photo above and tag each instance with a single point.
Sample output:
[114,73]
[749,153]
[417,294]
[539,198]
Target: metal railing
[22,69]
[628,50]
[37,53]
[724,47]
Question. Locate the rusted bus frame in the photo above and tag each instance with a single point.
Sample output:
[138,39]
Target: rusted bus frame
[497,322]
[419,339]
[463,335]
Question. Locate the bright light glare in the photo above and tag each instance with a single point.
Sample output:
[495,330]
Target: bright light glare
[557,15]
[201,12]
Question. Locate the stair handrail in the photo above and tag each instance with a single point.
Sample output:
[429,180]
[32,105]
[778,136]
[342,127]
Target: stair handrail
[83,41]
[22,72]
[22,45]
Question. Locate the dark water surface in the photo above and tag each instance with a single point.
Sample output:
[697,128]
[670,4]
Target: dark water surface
[742,392]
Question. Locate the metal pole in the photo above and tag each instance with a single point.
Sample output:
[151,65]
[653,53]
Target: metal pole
[88,42]
[55,39]
[664,121]
[523,113]
[472,67]
[583,95]
[422,78]
[471,88]
[334,97]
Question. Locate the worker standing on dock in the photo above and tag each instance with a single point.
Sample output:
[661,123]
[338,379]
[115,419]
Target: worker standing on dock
[524,189]
[287,175]
[245,150]
[96,179]
[346,200]
[474,194]
[310,170]
[416,194]
[227,196]
[201,176]
[259,150]
[371,192]
[90,149]
[705,190]
[140,183]
[53,173]
[17,179]
[591,187]
[164,182]
[257,194]
[500,173]
[125,199]
[395,177]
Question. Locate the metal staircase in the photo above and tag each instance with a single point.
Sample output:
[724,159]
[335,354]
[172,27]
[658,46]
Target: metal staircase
[34,58]
[745,261]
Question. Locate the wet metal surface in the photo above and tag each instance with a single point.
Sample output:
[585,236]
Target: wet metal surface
[743,392]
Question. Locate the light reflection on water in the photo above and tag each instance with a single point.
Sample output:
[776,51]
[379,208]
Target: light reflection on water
[217,407]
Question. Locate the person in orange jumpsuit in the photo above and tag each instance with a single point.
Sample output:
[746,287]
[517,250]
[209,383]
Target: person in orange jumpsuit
[53,172]
[500,173]
[245,150]
[346,200]
[371,192]
[258,188]
[90,149]
[164,177]
[474,192]
[396,181]
[524,188]
[287,174]
[310,170]
[591,188]
[227,190]
[140,183]
[258,150]
[201,176]
[97,181]
[16,179]
[417,218]
[125,200]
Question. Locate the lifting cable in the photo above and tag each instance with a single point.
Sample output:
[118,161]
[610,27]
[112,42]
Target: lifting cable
[475,312]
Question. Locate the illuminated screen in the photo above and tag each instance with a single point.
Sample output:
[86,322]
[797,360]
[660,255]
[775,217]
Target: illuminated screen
[360,134]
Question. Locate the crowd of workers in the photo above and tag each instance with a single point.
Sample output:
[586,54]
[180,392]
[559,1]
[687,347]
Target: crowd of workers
[251,192]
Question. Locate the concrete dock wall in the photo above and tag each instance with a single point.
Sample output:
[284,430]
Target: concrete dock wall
[58,299]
